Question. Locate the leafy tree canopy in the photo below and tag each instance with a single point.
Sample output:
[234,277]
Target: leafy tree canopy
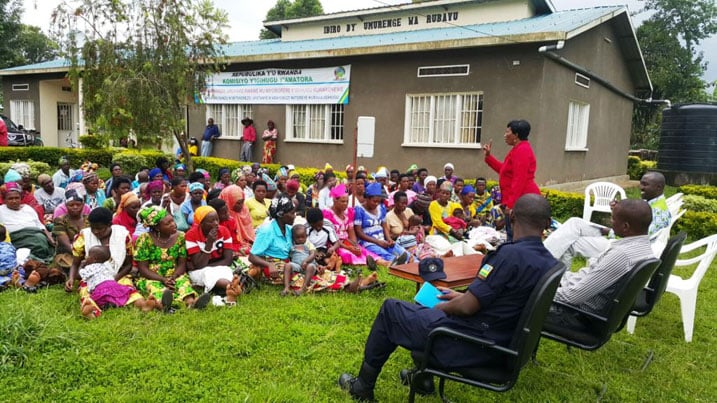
[286,9]
[10,29]
[140,62]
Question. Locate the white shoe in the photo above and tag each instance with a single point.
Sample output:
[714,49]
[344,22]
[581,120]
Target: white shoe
[218,301]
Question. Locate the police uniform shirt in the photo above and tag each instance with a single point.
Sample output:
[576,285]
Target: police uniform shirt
[504,284]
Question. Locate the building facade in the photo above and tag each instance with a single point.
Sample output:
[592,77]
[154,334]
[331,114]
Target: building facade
[440,78]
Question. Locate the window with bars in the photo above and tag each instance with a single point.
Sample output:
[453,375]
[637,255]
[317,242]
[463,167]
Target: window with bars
[576,138]
[315,123]
[228,117]
[22,112]
[444,119]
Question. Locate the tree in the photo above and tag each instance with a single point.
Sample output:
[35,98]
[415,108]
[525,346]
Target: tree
[35,46]
[10,28]
[668,39]
[140,62]
[285,9]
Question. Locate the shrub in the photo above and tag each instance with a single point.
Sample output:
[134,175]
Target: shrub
[697,224]
[637,167]
[699,203]
[564,204]
[94,141]
[36,168]
[707,191]
[51,155]
[132,160]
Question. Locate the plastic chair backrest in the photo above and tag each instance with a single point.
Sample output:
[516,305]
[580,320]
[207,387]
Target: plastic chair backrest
[623,298]
[603,193]
[530,323]
[704,259]
[658,282]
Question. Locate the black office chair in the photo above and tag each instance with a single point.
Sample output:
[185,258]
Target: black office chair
[598,328]
[651,294]
[502,376]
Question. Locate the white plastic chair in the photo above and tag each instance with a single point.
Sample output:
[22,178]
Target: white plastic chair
[603,193]
[674,203]
[686,289]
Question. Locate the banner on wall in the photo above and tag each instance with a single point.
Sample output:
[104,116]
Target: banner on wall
[325,85]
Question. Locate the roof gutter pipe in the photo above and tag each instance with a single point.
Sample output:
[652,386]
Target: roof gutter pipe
[547,51]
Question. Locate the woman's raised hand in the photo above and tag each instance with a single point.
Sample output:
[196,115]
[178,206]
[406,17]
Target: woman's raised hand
[487,147]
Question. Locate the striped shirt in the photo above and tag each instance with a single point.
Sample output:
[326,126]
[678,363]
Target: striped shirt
[591,287]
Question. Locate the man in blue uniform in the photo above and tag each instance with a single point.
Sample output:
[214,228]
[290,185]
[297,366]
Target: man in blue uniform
[211,133]
[489,309]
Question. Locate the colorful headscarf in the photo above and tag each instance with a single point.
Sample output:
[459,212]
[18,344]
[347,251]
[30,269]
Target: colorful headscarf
[338,191]
[89,176]
[467,189]
[73,195]
[151,186]
[12,187]
[292,184]
[319,175]
[126,199]
[373,189]
[237,173]
[179,166]
[328,167]
[447,185]
[496,195]
[63,160]
[246,169]
[12,176]
[196,186]
[151,216]
[283,171]
[270,184]
[423,200]
[154,172]
[77,176]
[202,212]
[280,205]
[22,168]
[231,194]
[78,187]
[204,172]
[222,172]
[413,167]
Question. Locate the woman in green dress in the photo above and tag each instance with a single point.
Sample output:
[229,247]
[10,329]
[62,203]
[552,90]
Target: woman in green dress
[161,256]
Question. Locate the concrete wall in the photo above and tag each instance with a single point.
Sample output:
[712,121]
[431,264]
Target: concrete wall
[52,93]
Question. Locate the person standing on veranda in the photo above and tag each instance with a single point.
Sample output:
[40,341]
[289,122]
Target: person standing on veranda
[248,138]
[211,133]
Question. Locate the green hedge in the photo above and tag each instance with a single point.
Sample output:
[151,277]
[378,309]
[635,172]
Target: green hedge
[51,155]
[564,204]
[699,203]
[707,191]
[696,224]
[637,167]
[36,168]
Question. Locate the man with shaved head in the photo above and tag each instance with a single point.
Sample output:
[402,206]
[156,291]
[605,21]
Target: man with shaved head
[578,237]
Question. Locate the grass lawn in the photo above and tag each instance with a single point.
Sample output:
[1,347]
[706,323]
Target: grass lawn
[292,349]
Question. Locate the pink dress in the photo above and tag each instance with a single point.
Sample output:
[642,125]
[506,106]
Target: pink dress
[342,231]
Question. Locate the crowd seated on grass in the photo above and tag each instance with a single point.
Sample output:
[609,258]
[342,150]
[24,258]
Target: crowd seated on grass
[175,236]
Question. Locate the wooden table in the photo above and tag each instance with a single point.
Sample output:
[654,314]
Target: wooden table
[460,271]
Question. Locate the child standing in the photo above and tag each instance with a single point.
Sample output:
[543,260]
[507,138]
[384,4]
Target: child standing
[104,290]
[302,256]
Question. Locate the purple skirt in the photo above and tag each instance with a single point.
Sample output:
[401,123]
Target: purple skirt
[111,293]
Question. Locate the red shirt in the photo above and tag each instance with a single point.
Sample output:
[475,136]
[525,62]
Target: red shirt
[3,133]
[196,242]
[516,174]
[249,134]
[232,227]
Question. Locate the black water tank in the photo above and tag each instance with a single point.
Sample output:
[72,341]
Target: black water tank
[688,138]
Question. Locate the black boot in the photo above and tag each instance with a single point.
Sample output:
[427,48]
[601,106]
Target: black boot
[423,384]
[360,387]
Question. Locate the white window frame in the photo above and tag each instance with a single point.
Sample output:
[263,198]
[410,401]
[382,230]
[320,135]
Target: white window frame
[228,117]
[22,112]
[576,136]
[464,122]
[308,116]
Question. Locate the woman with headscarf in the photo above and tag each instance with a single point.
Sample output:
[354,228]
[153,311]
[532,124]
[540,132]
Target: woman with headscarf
[153,194]
[431,184]
[101,232]
[163,164]
[372,229]
[233,196]
[79,189]
[126,214]
[19,173]
[259,204]
[68,226]
[270,136]
[341,215]
[271,187]
[161,256]
[94,197]
[444,239]
[180,170]
[22,223]
[209,247]
[196,200]
[224,179]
